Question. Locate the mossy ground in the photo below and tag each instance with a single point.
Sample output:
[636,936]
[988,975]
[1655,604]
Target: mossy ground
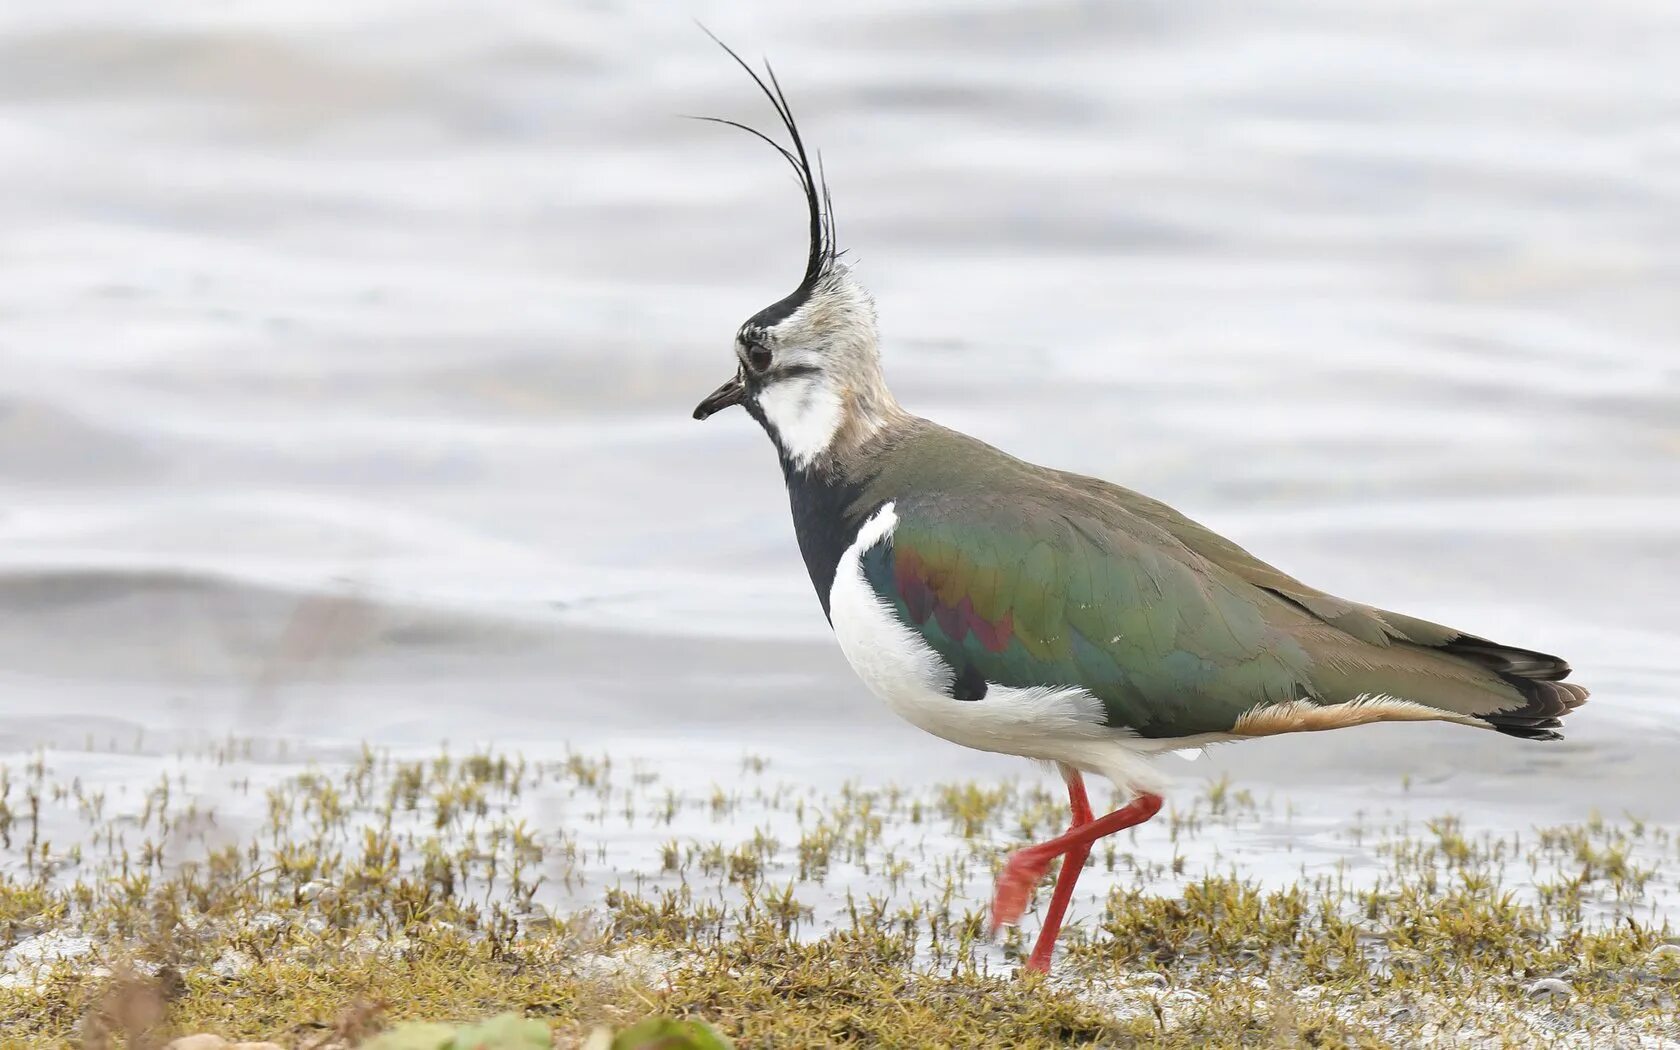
[584,893]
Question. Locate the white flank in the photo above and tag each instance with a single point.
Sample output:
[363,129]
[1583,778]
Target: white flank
[1044,722]
[805,413]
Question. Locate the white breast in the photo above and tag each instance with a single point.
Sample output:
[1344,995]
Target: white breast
[1054,724]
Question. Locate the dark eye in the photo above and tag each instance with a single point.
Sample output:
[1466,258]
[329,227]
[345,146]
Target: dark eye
[758,358]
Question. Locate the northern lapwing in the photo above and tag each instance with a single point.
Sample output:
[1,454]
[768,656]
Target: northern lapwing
[1029,611]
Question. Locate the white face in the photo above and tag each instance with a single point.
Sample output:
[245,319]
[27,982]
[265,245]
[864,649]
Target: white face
[804,412]
[788,381]
[806,370]
[809,371]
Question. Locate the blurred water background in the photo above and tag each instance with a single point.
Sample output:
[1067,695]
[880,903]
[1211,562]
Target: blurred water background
[347,354]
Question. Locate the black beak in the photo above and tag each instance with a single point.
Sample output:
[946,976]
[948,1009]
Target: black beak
[730,393]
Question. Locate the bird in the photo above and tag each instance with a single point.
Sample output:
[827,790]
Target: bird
[1029,611]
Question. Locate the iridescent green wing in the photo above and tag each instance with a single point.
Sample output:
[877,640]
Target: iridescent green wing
[1024,595]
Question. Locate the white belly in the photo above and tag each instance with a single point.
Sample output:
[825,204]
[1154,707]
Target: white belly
[1044,722]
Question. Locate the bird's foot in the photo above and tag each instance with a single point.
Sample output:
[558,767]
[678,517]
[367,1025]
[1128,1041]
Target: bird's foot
[1021,873]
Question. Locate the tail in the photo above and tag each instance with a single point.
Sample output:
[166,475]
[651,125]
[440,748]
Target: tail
[1537,677]
[1425,670]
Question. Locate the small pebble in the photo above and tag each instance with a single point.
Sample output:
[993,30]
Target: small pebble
[1550,986]
[313,888]
[1665,953]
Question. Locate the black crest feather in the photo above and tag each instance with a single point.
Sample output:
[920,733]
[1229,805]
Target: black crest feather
[822,254]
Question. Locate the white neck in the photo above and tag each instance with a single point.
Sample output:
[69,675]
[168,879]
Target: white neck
[805,414]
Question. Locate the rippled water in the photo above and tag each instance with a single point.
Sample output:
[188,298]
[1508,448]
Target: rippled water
[349,352]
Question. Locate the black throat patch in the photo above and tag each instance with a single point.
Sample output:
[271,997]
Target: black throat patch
[823,521]
[823,505]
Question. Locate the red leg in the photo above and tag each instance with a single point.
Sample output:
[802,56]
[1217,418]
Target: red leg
[1073,862]
[1027,867]
[1077,802]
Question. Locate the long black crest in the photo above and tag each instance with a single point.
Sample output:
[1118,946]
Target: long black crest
[822,255]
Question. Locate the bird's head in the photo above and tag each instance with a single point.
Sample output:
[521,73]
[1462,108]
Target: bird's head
[807,366]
